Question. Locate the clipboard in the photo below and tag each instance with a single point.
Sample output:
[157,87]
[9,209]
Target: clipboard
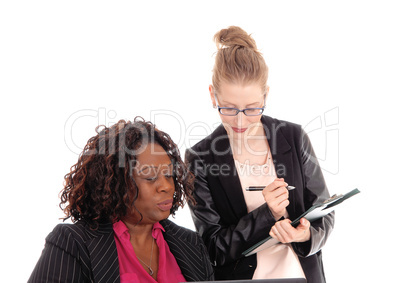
[313,213]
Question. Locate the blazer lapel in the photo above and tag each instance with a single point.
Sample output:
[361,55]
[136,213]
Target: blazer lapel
[103,254]
[185,250]
[281,154]
[228,176]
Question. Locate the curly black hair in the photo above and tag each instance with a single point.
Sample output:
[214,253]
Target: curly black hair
[100,187]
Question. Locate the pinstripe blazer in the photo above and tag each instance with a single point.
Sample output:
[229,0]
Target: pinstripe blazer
[75,253]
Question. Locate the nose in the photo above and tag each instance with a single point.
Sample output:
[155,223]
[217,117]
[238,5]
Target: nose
[239,118]
[166,184]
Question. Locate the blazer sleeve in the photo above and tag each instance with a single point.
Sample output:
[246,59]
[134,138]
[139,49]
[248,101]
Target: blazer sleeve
[315,191]
[59,261]
[225,243]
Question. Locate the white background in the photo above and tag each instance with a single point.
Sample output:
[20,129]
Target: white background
[67,66]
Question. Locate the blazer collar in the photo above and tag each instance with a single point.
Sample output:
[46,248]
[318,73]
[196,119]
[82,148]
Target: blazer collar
[184,247]
[282,153]
[103,253]
[273,131]
[223,157]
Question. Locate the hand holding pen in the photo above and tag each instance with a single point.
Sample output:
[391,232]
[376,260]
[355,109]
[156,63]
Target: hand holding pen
[276,196]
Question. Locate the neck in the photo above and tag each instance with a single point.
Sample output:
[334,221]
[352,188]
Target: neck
[144,246]
[139,232]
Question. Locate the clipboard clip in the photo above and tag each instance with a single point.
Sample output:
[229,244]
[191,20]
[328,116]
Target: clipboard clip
[332,198]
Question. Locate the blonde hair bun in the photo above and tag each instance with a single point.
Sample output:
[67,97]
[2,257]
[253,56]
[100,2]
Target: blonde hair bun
[234,36]
[238,60]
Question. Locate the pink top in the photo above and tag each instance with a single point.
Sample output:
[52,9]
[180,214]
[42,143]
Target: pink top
[130,267]
[278,261]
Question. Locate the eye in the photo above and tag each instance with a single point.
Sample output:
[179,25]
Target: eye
[151,179]
[168,174]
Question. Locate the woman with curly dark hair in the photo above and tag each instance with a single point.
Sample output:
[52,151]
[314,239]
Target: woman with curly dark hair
[127,181]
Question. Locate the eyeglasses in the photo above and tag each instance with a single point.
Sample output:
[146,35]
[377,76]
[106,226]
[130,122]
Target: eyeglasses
[230,111]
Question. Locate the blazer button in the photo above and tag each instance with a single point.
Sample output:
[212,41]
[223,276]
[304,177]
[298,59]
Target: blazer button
[250,266]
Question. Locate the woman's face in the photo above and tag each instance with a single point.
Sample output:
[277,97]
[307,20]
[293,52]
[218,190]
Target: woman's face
[153,175]
[240,97]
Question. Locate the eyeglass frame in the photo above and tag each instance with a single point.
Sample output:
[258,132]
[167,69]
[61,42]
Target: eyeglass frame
[240,110]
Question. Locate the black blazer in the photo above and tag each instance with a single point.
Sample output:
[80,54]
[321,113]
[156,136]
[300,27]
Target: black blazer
[221,217]
[75,253]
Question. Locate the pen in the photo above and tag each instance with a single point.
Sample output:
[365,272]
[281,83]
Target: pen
[260,188]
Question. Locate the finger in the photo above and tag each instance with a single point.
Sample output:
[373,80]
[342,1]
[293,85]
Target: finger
[304,224]
[272,195]
[277,234]
[280,191]
[284,231]
[303,231]
[276,184]
[282,201]
[272,234]
[284,236]
[284,191]
[278,203]
[299,234]
[283,204]
[286,226]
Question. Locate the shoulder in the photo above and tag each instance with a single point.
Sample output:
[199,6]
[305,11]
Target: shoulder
[78,232]
[176,233]
[283,134]
[285,127]
[179,232]
[183,241]
[66,230]
[67,238]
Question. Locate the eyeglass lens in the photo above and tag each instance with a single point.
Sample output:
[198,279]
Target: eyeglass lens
[247,112]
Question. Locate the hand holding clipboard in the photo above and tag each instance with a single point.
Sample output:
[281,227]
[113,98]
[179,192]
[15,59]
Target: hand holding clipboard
[315,212]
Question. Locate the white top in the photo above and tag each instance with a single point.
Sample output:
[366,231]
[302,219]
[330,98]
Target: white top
[280,260]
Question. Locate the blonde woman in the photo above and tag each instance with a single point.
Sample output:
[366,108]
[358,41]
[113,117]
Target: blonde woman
[251,149]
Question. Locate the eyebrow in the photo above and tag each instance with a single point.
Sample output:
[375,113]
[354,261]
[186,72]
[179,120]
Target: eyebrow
[225,102]
[151,166]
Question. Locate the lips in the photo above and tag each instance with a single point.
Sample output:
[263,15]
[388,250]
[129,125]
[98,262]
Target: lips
[239,130]
[166,204]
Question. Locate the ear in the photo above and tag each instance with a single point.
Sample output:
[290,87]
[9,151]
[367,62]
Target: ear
[211,93]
